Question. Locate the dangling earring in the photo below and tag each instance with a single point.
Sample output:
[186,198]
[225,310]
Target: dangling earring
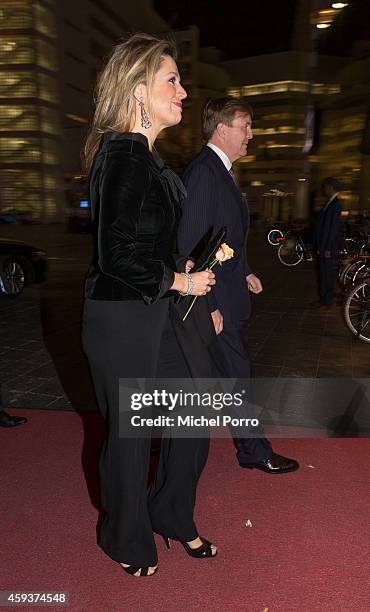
[145,121]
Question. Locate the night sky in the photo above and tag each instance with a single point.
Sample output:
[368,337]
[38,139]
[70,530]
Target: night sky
[256,27]
[262,26]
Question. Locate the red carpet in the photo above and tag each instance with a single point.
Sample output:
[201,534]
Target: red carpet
[305,552]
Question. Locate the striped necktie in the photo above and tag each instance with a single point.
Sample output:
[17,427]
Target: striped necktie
[233,176]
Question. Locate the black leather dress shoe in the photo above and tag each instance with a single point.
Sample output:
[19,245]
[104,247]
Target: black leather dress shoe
[276,464]
[10,421]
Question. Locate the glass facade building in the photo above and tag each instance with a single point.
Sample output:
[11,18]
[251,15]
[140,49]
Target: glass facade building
[30,133]
[278,173]
[311,120]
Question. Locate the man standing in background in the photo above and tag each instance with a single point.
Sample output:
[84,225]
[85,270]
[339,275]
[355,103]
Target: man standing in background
[326,241]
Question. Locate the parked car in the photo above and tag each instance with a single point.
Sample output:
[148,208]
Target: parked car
[21,265]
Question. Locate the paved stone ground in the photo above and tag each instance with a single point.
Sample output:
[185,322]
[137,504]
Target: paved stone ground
[42,364]
[41,360]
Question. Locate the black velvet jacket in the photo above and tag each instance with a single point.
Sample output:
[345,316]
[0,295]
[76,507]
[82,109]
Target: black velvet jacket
[135,207]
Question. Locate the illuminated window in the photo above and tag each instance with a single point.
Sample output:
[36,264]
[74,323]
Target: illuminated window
[351,124]
[18,15]
[25,190]
[277,87]
[21,189]
[31,179]
[270,144]
[18,118]
[18,85]
[27,50]
[352,142]
[28,85]
[50,206]
[234,93]
[51,152]
[323,16]
[29,118]
[282,87]
[322,88]
[282,129]
[50,182]
[16,50]
[20,150]
[15,15]
[283,117]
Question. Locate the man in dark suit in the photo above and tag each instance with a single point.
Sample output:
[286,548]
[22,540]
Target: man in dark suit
[214,200]
[326,240]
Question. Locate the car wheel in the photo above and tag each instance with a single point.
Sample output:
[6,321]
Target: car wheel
[12,277]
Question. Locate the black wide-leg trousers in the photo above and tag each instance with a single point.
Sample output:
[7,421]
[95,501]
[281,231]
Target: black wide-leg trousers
[129,339]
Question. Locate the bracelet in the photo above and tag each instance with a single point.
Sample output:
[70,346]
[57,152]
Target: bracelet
[190,284]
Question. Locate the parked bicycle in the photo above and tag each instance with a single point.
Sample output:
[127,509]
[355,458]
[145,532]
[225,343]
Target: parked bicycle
[357,310]
[354,270]
[295,246]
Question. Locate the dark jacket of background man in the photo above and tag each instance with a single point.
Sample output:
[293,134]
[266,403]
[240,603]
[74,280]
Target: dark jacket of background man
[326,240]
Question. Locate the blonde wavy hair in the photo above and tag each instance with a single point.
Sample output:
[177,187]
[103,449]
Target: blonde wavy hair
[134,61]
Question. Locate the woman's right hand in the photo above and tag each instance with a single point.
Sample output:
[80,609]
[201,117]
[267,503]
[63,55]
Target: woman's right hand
[202,282]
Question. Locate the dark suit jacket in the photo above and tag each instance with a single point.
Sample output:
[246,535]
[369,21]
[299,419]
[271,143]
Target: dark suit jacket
[214,201]
[327,228]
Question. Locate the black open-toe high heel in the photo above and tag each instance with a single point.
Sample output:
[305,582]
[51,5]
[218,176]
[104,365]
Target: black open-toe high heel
[204,551]
[131,569]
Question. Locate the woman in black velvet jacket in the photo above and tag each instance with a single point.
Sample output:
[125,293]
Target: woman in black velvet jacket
[127,330]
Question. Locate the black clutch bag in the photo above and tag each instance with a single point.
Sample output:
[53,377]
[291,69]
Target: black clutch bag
[205,253]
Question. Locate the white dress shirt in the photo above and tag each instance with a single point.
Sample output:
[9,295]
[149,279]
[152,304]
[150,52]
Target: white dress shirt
[223,157]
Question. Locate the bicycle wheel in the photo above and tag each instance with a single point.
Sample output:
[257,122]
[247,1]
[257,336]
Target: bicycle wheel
[343,270]
[290,252]
[349,275]
[362,248]
[361,273]
[357,311]
[275,236]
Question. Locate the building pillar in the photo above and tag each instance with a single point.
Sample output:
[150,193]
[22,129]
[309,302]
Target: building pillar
[301,208]
[284,208]
[275,208]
